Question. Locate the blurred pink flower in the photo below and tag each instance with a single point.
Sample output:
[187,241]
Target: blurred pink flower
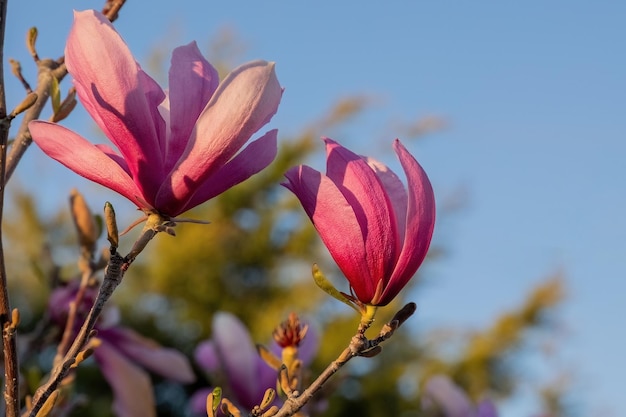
[444,396]
[231,353]
[177,149]
[123,355]
[376,230]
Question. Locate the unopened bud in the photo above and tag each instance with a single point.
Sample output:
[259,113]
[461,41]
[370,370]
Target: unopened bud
[66,107]
[84,221]
[31,40]
[29,100]
[213,401]
[269,357]
[283,380]
[48,405]
[111,225]
[370,353]
[404,313]
[16,67]
[268,398]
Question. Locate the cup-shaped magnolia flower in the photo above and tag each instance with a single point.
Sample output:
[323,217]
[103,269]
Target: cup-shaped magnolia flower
[377,230]
[176,148]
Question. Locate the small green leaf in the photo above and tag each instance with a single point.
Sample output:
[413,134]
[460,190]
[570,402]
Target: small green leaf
[322,282]
[217,398]
[55,95]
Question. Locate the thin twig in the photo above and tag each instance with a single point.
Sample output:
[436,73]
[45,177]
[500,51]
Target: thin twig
[359,346]
[112,278]
[72,316]
[48,69]
[11,370]
[296,401]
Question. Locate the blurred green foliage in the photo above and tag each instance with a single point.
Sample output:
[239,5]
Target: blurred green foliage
[254,260]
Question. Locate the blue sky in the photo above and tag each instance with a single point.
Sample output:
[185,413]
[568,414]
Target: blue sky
[533,94]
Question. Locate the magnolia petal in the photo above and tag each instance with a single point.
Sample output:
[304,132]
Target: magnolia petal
[486,408]
[420,224]
[396,193]
[197,403]
[122,99]
[442,394]
[110,152]
[85,159]
[244,102]
[207,357]
[365,193]
[238,354]
[131,386]
[192,82]
[337,224]
[252,159]
[168,363]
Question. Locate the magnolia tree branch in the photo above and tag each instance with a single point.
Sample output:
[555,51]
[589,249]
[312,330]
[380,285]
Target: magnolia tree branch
[359,346]
[48,71]
[112,277]
[113,274]
[8,321]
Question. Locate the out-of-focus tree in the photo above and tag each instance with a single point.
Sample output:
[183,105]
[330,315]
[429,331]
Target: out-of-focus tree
[254,260]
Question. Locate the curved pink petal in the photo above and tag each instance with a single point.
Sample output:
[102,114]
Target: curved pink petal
[396,192]
[168,363]
[197,403]
[365,193]
[252,159]
[337,224]
[122,99]
[192,82]
[420,223]
[131,386]
[110,152]
[239,356]
[442,394]
[244,102]
[486,408]
[85,159]
[207,357]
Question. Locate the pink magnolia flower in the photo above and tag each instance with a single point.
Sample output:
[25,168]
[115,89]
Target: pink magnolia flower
[177,149]
[231,354]
[123,355]
[443,395]
[376,230]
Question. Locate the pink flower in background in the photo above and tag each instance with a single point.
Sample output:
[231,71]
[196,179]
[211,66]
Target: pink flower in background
[232,354]
[124,356]
[177,149]
[376,230]
[443,395]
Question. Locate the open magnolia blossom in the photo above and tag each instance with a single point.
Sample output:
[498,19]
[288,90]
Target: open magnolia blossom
[376,230]
[178,148]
